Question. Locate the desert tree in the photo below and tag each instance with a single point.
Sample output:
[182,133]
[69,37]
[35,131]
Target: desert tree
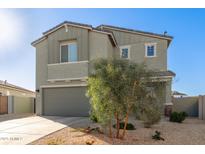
[118,88]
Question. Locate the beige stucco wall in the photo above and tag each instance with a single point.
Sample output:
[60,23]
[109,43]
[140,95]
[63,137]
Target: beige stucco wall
[23,105]
[41,63]
[68,70]
[98,46]
[19,104]
[41,71]
[47,52]
[80,35]
[201,107]
[186,104]
[168,92]
[137,49]
[110,48]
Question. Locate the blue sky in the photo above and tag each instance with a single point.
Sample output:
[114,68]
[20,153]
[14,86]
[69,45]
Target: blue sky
[186,54]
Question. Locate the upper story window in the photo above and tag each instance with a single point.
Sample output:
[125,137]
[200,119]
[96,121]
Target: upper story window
[68,52]
[125,52]
[150,49]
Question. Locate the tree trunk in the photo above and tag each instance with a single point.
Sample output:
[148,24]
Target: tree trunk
[127,114]
[117,125]
[125,125]
[110,129]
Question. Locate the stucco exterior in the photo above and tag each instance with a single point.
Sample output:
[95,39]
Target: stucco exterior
[78,34]
[99,46]
[137,49]
[186,104]
[19,104]
[23,105]
[92,43]
[65,70]
[7,89]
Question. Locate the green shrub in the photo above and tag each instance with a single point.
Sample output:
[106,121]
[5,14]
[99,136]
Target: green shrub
[150,116]
[129,126]
[93,117]
[157,136]
[178,117]
[184,114]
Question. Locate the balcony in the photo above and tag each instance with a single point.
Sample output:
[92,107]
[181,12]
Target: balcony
[68,71]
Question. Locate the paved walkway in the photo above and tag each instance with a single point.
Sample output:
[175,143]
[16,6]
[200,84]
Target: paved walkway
[28,129]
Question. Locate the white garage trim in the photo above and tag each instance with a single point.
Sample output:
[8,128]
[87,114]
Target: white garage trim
[64,63]
[68,85]
[68,79]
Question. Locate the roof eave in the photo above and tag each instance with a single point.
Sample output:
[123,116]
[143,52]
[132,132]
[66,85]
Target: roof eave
[107,33]
[65,23]
[137,32]
[38,40]
[62,25]
[17,88]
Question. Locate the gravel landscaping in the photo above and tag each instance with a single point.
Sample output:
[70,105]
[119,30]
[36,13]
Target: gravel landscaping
[191,131]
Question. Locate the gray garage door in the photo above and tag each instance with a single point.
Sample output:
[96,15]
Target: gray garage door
[65,101]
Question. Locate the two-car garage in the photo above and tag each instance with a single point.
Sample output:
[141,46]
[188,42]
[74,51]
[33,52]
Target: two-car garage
[65,101]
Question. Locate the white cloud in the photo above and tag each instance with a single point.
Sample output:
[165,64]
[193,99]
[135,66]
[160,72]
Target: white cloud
[11,31]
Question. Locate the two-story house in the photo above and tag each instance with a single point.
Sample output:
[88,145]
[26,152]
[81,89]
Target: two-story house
[62,62]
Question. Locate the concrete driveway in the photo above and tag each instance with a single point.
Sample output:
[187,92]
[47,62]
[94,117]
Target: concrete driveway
[28,129]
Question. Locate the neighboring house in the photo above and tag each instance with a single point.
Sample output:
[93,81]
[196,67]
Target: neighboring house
[62,62]
[177,94]
[7,89]
[15,99]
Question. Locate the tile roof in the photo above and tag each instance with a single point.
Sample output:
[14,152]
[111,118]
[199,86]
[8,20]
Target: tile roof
[165,73]
[5,83]
[74,24]
[67,22]
[38,40]
[178,93]
[101,29]
[133,30]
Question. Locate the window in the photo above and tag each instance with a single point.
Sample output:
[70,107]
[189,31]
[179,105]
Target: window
[150,50]
[68,52]
[125,52]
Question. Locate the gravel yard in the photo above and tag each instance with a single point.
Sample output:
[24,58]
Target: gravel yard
[191,131]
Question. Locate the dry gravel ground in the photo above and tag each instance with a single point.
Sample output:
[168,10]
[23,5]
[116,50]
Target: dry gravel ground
[191,131]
